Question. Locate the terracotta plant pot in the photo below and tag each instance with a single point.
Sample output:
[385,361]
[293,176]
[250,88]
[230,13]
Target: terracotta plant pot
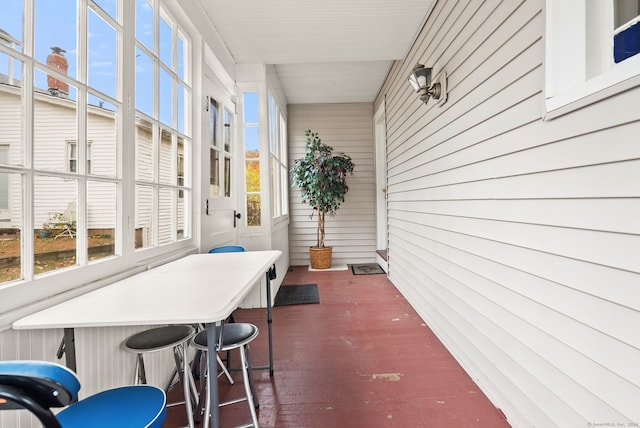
[320,257]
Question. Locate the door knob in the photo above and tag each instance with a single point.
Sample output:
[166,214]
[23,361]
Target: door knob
[236,216]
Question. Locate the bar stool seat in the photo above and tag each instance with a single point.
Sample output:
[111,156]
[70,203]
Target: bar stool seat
[234,336]
[175,337]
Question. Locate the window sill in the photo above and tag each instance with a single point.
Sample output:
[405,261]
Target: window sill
[622,77]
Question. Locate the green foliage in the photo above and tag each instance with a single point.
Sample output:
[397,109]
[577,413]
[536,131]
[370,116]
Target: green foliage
[322,179]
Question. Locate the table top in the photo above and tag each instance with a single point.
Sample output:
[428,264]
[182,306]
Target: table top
[198,288]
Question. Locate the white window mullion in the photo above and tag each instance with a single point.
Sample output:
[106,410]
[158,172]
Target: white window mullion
[126,156]
[28,245]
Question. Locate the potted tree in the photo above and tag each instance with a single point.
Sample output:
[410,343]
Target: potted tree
[321,176]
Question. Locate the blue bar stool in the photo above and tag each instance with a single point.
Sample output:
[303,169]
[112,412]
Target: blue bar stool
[38,386]
[234,336]
[175,337]
[227,249]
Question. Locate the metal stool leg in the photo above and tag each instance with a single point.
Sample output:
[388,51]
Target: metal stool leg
[248,385]
[187,381]
[251,384]
[140,373]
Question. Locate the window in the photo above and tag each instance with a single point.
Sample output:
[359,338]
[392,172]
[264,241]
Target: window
[278,155]
[64,133]
[72,156]
[591,49]
[626,24]
[251,128]
[220,150]
[65,90]
[163,137]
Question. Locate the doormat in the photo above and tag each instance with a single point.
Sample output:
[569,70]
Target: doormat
[368,269]
[302,294]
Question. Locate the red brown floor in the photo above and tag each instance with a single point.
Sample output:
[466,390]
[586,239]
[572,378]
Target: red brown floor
[360,358]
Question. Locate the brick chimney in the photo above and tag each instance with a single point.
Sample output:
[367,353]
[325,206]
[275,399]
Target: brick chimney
[57,60]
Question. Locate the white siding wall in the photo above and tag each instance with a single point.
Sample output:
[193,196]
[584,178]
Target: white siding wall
[517,239]
[55,125]
[347,128]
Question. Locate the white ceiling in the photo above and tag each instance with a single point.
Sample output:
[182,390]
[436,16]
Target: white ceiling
[324,51]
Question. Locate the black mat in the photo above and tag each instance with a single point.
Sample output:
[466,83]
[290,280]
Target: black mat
[302,294]
[368,269]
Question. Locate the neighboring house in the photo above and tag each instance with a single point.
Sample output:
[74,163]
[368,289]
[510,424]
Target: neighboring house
[55,147]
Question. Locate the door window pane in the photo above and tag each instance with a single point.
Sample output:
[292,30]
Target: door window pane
[227,131]
[214,173]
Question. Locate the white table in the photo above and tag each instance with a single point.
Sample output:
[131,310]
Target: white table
[200,288]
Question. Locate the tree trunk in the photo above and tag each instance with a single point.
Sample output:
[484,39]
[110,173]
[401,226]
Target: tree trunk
[320,229]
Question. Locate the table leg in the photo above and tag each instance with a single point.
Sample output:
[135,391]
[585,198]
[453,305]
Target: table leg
[270,275]
[70,349]
[212,378]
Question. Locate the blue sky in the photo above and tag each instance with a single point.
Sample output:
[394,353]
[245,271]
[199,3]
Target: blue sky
[55,29]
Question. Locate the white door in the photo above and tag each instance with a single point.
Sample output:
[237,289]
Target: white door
[381,179]
[219,186]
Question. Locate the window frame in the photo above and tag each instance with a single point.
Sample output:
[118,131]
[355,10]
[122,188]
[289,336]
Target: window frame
[278,156]
[578,71]
[20,296]
[69,158]
[243,126]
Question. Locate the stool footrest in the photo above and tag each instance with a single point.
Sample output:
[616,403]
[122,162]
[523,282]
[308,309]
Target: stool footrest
[230,402]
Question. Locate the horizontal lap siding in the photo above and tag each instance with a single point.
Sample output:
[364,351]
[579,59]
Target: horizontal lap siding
[347,128]
[516,238]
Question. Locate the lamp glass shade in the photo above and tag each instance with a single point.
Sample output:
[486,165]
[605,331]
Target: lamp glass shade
[413,79]
[420,77]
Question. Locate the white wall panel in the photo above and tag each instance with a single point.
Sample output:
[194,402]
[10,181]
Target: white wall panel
[347,128]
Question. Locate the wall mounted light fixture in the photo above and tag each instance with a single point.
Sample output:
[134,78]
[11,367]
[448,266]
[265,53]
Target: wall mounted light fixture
[420,79]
